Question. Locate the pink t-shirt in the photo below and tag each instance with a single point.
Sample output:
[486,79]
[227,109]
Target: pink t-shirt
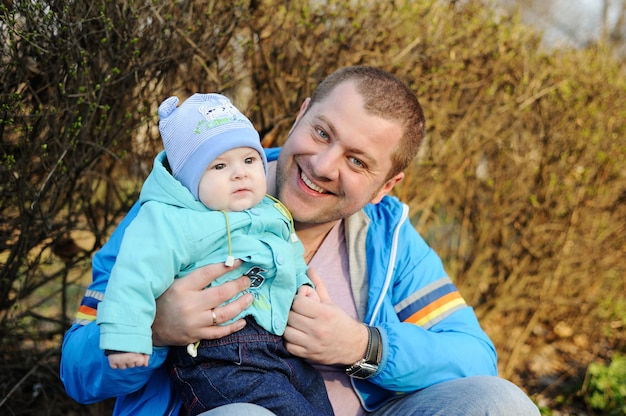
[331,264]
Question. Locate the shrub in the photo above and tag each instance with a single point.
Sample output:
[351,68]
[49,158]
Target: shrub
[605,386]
[520,187]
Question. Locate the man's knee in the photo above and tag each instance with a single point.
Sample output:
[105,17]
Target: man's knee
[238,409]
[480,395]
[501,397]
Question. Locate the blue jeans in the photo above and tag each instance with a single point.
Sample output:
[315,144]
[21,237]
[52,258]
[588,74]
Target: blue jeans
[471,396]
[238,409]
[249,366]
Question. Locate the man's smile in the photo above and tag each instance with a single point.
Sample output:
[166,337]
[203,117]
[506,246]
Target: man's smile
[310,184]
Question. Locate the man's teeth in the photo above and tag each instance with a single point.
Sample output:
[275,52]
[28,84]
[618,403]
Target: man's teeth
[311,184]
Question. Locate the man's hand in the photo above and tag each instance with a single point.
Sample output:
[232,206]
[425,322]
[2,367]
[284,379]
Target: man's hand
[185,311]
[321,331]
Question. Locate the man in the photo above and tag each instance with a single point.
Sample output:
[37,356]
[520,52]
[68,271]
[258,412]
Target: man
[421,350]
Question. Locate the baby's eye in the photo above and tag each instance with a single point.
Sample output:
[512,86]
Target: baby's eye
[219,166]
[249,160]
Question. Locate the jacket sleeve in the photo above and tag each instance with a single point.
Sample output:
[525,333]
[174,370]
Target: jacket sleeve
[429,333]
[153,251]
[301,267]
[85,371]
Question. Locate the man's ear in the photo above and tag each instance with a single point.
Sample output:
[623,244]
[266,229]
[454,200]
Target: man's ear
[303,108]
[387,187]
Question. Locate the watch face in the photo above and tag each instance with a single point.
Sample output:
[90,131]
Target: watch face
[362,370]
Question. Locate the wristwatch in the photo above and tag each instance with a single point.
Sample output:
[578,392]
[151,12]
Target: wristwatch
[366,367]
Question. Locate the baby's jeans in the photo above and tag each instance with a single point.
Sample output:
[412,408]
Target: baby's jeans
[249,366]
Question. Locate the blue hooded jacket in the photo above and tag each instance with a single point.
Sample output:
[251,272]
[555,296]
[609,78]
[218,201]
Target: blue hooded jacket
[429,333]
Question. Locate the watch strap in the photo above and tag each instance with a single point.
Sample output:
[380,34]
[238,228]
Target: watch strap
[372,355]
[367,366]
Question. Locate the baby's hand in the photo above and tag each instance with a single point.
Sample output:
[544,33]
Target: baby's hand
[124,360]
[308,292]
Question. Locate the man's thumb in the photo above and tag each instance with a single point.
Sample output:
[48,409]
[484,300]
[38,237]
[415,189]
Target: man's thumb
[320,286]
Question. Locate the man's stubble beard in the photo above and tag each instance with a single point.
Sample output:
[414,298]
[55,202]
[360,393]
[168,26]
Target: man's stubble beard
[315,219]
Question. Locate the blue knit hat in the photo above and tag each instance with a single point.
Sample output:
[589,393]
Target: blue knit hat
[201,129]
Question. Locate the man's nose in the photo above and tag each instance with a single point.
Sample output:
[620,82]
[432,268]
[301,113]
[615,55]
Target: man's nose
[326,163]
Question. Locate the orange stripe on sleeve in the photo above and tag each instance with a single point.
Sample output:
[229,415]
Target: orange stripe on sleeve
[85,312]
[435,308]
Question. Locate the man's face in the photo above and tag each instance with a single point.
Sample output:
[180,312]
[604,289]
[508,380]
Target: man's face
[336,159]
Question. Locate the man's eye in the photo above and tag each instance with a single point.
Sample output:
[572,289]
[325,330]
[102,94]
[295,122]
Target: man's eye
[322,134]
[356,162]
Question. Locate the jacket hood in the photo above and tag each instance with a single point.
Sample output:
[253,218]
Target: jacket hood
[161,186]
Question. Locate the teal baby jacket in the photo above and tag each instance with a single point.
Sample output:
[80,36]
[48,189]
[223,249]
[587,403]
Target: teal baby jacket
[174,234]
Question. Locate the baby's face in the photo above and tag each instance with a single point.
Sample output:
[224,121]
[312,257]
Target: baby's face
[234,181]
